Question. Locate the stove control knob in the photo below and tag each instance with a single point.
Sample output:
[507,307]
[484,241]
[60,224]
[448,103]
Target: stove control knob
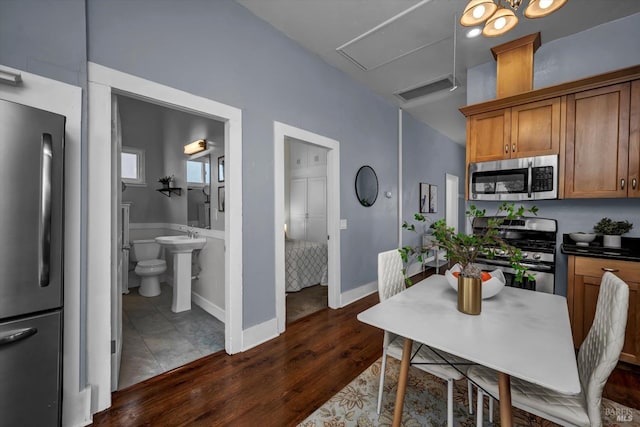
[501,252]
[525,255]
[536,256]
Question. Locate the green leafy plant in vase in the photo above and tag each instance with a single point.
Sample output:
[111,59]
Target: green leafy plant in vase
[612,231]
[463,248]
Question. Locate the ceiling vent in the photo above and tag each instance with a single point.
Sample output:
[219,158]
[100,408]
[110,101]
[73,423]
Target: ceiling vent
[425,89]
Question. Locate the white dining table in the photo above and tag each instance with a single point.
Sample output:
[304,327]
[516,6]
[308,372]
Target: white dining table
[519,333]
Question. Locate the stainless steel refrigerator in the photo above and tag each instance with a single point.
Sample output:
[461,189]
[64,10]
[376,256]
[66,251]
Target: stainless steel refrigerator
[31,265]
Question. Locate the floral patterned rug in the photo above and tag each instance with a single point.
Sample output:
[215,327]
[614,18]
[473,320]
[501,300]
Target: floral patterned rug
[426,404]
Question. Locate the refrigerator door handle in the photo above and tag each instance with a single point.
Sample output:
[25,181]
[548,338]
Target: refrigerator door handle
[44,229]
[13,336]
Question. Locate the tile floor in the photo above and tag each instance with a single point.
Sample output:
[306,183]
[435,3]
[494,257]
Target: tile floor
[156,340]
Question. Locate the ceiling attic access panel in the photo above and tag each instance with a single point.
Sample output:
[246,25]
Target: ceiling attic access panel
[399,36]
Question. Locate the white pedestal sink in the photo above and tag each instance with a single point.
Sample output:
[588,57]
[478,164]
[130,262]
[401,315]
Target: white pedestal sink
[181,248]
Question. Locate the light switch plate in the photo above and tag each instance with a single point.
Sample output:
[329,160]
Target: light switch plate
[343,224]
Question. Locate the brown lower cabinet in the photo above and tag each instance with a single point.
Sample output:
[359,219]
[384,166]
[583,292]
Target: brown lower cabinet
[584,277]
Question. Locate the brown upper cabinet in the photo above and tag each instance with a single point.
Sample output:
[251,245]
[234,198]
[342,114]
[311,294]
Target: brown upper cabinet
[531,129]
[489,135]
[634,142]
[597,156]
[593,124]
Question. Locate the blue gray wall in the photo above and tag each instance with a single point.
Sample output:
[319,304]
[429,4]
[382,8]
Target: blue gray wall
[427,156]
[46,38]
[604,48]
[219,50]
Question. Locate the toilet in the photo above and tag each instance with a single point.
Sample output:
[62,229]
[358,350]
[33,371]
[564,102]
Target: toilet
[149,267]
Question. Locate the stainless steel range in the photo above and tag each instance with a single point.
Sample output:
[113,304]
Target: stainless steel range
[536,238]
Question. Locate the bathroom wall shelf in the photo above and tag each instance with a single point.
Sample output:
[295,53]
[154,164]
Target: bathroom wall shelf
[167,191]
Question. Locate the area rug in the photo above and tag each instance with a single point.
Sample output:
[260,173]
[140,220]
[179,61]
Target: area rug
[426,404]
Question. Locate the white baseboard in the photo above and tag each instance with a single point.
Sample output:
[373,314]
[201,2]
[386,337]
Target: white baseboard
[208,306]
[354,295]
[258,334]
[265,331]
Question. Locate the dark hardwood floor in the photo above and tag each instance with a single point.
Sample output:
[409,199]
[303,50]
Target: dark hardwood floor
[281,382]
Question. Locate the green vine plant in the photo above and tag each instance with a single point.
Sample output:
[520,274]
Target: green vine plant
[465,248]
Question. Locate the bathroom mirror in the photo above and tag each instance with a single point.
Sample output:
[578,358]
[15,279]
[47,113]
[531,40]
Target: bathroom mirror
[198,198]
[366,186]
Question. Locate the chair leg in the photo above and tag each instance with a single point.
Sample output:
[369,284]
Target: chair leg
[470,396]
[450,402]
[490,409]
[479,408]
[382,370]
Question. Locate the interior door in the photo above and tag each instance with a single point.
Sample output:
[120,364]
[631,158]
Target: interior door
[317,209]
[298,209]
[117,246]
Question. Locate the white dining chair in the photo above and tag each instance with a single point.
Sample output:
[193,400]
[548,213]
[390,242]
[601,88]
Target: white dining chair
[390,282]
[597,357]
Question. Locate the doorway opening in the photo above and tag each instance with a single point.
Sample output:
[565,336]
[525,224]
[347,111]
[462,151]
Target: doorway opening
[306,248]
[103,213]
[150,139]
[308,225]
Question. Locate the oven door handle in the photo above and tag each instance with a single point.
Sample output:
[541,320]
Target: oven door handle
[534,267]
[529,178]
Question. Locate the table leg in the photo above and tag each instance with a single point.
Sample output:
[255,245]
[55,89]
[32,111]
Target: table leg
[402,381]
[504,389]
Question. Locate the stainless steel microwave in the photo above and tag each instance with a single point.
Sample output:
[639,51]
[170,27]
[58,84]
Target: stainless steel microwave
[527,178]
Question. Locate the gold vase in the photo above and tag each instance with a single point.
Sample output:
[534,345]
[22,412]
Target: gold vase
[469,295]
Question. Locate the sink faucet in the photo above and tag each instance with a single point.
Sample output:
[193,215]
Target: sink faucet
[191,233]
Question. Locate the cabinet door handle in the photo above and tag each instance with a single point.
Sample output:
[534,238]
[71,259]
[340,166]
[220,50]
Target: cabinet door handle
[634,183]
[622,184]
[513,147]
[506,149]
[610,270]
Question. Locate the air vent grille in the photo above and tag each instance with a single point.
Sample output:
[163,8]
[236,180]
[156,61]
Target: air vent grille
[426,89]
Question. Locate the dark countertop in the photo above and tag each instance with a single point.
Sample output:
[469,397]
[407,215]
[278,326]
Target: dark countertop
[630,250]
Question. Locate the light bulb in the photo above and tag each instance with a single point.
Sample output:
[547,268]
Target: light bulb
[545,3]
[478,11]
[475,32]
[499,23]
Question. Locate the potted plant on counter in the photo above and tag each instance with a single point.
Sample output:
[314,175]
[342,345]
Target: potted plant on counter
[464,249]
[166,181]
[612,231]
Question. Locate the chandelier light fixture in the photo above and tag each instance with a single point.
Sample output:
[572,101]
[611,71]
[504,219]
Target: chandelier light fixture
[499,15]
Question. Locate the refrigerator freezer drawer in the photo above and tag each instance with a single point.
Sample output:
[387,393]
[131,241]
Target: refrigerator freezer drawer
[30,371]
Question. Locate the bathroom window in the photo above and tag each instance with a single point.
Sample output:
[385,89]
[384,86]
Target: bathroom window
[198,172]
[132,166]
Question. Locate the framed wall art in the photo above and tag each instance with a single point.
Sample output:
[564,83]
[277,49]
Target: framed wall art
[220,199]
[221,169]
[428,198]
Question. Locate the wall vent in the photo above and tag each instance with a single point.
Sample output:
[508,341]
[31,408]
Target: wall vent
[426,89]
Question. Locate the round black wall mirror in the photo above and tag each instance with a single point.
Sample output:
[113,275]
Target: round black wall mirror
[366,186]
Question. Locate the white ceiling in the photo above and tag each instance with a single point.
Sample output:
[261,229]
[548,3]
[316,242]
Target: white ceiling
[417,47]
